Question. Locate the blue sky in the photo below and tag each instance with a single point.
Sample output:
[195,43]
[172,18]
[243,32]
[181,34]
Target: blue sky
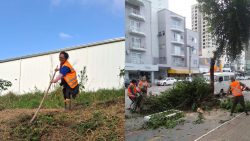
[35,26]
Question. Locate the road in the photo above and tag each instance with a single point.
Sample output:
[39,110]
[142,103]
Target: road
[238,129]
[230,128]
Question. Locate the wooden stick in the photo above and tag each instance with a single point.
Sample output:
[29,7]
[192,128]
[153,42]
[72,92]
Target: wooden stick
[34,116]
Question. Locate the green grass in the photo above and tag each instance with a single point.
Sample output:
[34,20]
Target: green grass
[55,99]
[228,103]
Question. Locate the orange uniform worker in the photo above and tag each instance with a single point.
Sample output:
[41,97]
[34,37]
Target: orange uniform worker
[134,95]
[236,89]
[68,79]
[143,85]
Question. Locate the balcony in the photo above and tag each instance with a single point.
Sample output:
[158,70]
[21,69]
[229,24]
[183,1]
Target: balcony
[135,2]
[177,28]
[136,15]
[180,42]
[136,31]
[178,54]
[177,17]
[137,47]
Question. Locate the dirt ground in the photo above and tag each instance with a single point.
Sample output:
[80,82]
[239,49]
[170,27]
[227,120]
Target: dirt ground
[61,125]
[188,131]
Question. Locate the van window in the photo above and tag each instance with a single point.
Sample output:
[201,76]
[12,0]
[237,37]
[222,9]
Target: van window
[226,78]
[220,78]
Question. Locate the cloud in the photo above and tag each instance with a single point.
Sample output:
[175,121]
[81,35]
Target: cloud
[65,35]
[55,2]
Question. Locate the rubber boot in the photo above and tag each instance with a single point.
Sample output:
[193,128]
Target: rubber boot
[67,104]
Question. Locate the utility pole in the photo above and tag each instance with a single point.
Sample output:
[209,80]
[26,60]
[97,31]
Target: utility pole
[190,47]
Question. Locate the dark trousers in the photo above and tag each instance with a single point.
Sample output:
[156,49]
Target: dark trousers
[236,100]
[136,102]
[67,92]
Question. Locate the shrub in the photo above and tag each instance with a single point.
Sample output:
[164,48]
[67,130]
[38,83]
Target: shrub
[228,103]
[184,95]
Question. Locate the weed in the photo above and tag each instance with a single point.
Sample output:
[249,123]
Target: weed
[55,99]
[91,124]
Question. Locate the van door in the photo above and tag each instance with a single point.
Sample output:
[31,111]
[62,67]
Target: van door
[226,83]
[219,85]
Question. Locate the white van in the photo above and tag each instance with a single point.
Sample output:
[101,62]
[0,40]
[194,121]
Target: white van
[222,81]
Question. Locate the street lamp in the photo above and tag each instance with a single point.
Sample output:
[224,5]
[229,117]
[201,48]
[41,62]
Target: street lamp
[190,47]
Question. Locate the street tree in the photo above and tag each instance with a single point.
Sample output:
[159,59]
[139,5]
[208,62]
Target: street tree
[229,24]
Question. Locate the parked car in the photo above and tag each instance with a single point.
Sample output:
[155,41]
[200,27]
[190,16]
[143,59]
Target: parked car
[190,79]
[166,81]
[242,78]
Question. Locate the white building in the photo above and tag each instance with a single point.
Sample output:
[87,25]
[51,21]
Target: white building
[103,61]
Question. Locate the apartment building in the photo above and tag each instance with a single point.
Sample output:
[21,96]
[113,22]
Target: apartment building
[175,44]
[139,39]
[157,42]
[199,24]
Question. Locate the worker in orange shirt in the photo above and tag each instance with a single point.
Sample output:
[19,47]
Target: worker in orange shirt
[143,85]
[134,95]
[236,89]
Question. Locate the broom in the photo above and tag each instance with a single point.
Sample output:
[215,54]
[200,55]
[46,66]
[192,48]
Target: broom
[34,116]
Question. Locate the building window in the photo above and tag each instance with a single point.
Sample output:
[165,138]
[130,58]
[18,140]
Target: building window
[195,62]
[176,24]
[136,42]
[136,58]
[193,39]
[178,37]
[135,25]
[135,11]
[177,61]
[194,51]
[178,50]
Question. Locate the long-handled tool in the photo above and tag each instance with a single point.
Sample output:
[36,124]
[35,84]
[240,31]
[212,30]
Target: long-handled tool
[34,116]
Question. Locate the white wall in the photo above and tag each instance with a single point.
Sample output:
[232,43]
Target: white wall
[103,64]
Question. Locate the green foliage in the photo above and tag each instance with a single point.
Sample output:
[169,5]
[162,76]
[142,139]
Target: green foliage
[83,78]
[4,84]
[161,119]
[228,103]
[229,22]
[31,132]
[92,124]
[184,95]
[122,73]
[55,99]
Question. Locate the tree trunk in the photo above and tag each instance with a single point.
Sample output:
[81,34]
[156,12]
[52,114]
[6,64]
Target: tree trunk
[212,63]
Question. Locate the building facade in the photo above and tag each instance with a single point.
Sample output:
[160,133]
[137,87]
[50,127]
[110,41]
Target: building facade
[160,44]
[138,34]
[199,24]
[103,61]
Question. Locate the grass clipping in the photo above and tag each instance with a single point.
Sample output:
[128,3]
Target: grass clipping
[167,119]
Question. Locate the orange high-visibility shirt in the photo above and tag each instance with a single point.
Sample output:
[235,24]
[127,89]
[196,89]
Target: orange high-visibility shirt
[70,78]
[131,88]
[236,88]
